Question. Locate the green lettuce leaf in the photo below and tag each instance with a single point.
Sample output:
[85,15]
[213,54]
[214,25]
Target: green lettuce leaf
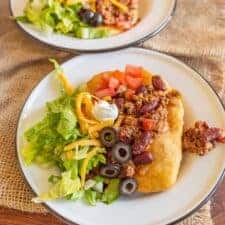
[53,179]
[95,161]
[75,196]
[111,192]
[48,137]
[55,16]
[90,197]
[60,104]
[22,19]
[29,153]
[66,124]
[73,166]
[62,188]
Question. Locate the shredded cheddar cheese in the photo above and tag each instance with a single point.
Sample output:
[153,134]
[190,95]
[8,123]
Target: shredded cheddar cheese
[120,5]
[94,130]
[82,142]
[85,162]
[66,84]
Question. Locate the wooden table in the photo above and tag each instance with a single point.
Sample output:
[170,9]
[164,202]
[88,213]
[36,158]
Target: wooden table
[14,217]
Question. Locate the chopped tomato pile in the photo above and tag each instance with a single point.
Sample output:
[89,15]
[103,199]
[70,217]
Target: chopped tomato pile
[110,82]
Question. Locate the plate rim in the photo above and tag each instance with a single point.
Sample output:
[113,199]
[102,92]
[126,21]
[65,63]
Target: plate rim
[178,219]
[148,36]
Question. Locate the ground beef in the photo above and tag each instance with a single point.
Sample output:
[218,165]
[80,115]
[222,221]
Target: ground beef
[147,103]
[160,117]
[201,138]
[128,133]
[153,105]
[113,16]
[130,108]
[130,121]
[128,170]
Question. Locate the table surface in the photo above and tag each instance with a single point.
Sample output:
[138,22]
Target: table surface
[14,217]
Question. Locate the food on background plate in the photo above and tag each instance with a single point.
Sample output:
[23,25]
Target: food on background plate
[119,133]
[85,19]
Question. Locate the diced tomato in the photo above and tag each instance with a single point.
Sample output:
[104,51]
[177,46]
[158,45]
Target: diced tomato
[120,76]
[104,82]
[106,76]
[113,83]
[129,94]
[105,92]
[133,71]
[133,83]
[147,124]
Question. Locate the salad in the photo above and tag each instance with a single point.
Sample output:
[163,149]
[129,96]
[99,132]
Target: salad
[75,136]
[85,19]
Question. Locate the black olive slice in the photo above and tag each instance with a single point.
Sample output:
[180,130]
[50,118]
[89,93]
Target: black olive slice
[121,152]
[128,186]
[108,136]
[86,15]
[96,20]
[110,171]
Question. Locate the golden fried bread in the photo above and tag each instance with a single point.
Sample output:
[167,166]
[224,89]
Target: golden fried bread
[166,149]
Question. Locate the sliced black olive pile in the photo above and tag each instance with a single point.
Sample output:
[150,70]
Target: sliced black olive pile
[121,153]
[128,186]
[90,17]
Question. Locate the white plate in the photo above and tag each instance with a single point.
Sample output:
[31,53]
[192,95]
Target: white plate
[155,14]
[199,176]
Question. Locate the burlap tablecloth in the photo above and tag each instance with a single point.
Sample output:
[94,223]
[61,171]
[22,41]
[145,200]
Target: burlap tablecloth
[196,33]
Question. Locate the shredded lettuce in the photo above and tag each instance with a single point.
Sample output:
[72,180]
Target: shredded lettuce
[81,153]
[60,104]
[60,17]
[111,192]
[62,188]
[53,179]
[48,137]
[96,161]
[75,196]
[29,153]
[95,192]
[66,124]
[73,166]
[46,142]
[91,197]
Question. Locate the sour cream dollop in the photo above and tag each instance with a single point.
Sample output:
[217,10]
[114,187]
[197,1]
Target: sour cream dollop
[105,111]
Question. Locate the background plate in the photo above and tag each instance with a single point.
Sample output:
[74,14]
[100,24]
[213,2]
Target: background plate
[155,14]
[198,175]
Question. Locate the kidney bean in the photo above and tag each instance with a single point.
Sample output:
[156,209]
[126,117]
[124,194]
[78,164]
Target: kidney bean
[143,158]
[211,134]
[214,134]
[221,137]
[158,83]
[120,103]
[149,107]
[202,125]
[141,143]
[142,89]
